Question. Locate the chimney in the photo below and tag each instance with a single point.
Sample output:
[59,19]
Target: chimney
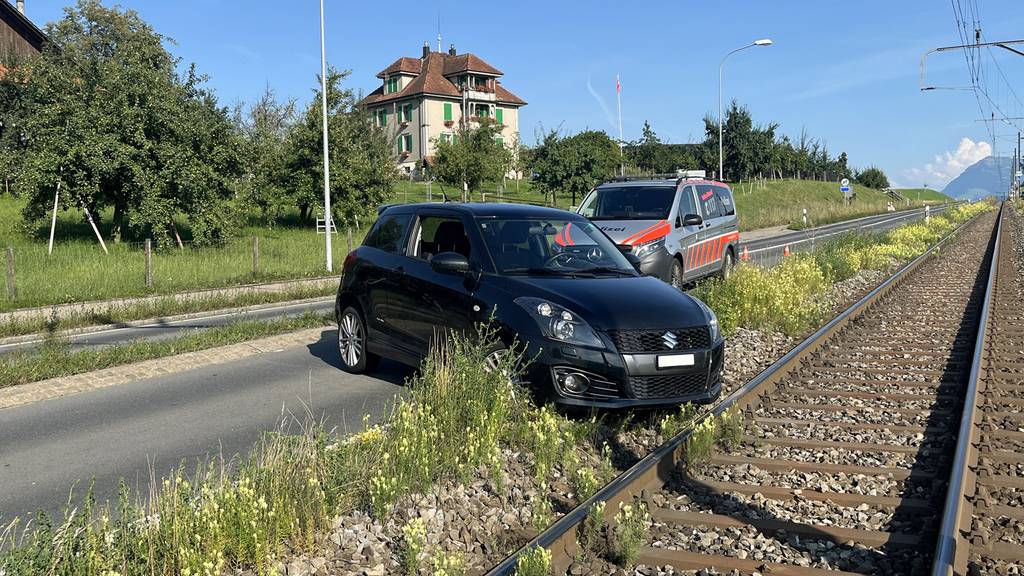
[426,49]
[21,7]
[451,50]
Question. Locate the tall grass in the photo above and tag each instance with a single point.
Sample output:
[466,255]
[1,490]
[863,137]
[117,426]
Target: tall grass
[791,296]
[252,512]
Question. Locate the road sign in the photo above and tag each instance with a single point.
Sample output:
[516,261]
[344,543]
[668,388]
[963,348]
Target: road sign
[845,182]
[844,189]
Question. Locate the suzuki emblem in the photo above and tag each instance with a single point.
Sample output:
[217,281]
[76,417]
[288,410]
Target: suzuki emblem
[669,339]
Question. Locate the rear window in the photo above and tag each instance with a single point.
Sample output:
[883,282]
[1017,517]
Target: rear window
[629,203]
[725,199]
[387,233]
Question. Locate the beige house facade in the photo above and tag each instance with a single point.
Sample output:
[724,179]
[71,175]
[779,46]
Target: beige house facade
[423,101]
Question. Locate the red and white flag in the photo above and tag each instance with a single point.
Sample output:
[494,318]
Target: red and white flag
[618,86]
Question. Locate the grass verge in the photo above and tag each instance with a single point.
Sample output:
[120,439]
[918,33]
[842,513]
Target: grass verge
[159,308]
[55,358]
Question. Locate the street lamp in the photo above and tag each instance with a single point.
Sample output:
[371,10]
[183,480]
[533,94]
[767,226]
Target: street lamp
[327,158]
[761,42]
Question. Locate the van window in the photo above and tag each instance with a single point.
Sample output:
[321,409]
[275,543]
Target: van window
[387,233]
[687,205]
[709,201]
[725,199]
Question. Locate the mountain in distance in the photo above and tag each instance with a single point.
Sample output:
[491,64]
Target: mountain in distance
[987,177]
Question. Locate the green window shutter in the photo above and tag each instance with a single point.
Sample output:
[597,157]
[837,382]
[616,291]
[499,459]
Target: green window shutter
[499,140]
[498,116]
[447,111]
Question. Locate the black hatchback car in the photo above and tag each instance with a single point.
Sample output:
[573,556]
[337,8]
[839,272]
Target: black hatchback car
[596,332]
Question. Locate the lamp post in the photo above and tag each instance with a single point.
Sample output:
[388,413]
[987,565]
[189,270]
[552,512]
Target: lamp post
[761,42]
[327,157]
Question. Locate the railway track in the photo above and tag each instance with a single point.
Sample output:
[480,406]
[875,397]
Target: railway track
[851,441]
[983,527]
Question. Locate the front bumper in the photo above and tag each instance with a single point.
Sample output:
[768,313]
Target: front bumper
[619,381]
[657,264]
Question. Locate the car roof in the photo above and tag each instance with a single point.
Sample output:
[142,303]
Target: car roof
[660,182]
[485,210]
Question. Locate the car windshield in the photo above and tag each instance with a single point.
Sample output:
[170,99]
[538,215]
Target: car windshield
[629,203]
[546,246]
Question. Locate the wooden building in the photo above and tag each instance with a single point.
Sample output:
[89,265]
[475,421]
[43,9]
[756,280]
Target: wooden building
[19,37]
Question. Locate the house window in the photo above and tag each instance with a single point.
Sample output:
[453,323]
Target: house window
[382,118]
[499,140]
[405,143]
[447,111]
[483,110]
[392,84]
[498,116]
[407,113]
[446,138]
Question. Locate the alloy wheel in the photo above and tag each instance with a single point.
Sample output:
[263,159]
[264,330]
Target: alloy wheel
[350,338]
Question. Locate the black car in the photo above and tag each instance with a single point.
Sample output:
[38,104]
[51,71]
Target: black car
[596,332]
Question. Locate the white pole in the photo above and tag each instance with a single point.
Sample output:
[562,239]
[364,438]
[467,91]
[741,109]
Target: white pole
[327,158]
[88,216]
[618,97]
[53,221]
[762,42]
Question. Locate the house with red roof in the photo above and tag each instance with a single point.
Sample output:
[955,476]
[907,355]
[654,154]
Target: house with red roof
[423,101]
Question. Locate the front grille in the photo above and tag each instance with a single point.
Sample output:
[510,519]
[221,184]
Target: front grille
[637,341]
[668,386]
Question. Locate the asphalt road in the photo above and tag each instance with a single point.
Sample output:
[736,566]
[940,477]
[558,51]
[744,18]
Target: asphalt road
[124,431]
[164,329]
[768,251]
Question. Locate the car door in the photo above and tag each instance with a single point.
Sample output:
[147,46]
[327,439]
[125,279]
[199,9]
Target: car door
[383,252]
[686,236]
[428,304]
[727,228]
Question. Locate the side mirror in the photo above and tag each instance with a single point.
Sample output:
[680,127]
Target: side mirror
[633,260]
[692,220]
[626,248]
[450,263]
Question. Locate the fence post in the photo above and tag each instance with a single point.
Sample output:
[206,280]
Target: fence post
[255,255]
[348,230]
[149,264]
[12,292]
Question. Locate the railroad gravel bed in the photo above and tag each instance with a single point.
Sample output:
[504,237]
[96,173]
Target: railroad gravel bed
[839,456]
[836,434]
[867,416]
[802,510]
[748,543]
[874,402]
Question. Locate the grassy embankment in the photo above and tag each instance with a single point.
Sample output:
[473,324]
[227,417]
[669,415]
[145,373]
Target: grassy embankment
[79,271]
[781,202]
[457,418]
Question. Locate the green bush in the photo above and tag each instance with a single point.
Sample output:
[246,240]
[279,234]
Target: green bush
[534,562]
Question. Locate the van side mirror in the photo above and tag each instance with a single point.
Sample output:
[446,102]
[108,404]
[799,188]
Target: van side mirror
[633,260]
[625,248]
[692,220]
[450,263]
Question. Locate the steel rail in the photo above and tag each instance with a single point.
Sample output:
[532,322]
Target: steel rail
[655,469]
[951,547]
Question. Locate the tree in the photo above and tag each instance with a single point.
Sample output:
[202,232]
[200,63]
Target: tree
[473,155]
[13,111]
[574,164]
[873,177]
[112,121]
[264,129]
[362,168]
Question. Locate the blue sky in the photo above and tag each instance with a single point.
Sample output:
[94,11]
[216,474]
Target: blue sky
[847,71]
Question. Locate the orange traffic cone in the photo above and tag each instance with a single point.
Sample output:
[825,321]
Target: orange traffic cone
[785,251]
[746,254]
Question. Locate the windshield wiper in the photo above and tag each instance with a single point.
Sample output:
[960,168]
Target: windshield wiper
[608,269]
[547,271]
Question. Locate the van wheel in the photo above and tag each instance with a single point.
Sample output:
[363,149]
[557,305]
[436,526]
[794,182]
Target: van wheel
[728,263]
[355,359]
[677,274]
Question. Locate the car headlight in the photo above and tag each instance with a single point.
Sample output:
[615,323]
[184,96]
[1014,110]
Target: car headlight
[641,250]
[559,323]
[712,319]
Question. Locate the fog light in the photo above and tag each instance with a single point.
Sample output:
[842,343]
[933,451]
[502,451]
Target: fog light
[575,382]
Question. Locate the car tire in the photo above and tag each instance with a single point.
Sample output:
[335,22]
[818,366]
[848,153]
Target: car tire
[676,275]
[493,360]
[728,263]
[355,359]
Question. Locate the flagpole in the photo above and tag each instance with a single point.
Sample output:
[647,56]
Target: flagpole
[618,97]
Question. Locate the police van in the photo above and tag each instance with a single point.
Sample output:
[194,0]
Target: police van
[682,227]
